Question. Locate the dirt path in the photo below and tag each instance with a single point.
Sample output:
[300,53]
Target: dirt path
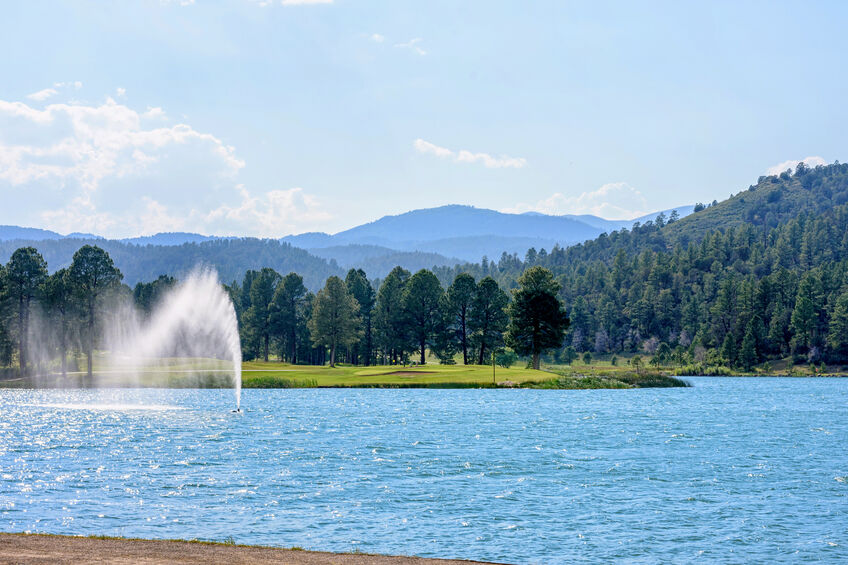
[26,549]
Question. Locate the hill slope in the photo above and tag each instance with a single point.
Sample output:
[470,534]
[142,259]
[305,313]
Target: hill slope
[230,257]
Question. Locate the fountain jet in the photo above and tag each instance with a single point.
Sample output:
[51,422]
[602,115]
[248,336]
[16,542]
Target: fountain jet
[192,326]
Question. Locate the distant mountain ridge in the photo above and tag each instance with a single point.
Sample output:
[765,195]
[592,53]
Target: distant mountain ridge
[443,236]
[469,233]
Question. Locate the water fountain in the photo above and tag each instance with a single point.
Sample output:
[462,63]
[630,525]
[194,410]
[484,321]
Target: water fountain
[192,329]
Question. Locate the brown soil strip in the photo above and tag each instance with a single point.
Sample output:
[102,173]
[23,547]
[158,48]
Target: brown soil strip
[26,549]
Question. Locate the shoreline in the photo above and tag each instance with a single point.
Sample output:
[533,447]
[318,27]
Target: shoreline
[26,549]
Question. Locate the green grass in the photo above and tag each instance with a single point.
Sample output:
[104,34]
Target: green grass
[258,374]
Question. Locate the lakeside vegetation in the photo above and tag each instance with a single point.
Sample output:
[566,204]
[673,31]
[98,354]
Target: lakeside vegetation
[273,374]
[767,294]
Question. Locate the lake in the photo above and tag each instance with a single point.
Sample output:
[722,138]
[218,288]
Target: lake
[731,470]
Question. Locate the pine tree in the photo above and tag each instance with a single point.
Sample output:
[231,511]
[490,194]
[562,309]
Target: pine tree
[837,337]
[91,274]
[25,273]
[335,318]
[459,297]
[537,317]
[421,300]
[487,318]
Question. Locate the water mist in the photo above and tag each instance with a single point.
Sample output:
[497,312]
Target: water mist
[192,326]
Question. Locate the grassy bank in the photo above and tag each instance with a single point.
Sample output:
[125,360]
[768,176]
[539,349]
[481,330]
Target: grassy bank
[181,373]
[600,373]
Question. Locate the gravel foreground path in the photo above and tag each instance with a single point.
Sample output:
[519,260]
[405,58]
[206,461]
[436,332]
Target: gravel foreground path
[28,549]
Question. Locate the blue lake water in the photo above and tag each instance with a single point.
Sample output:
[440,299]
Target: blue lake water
[731,470]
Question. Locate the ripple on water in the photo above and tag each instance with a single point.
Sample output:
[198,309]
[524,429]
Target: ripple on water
[730,470]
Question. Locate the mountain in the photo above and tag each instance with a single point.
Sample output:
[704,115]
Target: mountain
[170,238]
[434,237]
[8,233]
[468,233]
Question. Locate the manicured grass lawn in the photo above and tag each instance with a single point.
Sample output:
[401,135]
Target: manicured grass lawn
[259,374]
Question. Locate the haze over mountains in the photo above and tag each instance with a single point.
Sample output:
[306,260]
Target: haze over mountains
[421,238]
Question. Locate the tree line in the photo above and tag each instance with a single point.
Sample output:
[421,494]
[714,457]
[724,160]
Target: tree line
[402,319]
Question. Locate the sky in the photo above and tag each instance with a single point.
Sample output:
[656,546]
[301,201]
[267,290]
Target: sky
[267,118]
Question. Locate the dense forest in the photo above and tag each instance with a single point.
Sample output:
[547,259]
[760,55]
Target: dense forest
[759,277]
[230,257]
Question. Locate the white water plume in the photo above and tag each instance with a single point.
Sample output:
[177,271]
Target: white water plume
[191,332]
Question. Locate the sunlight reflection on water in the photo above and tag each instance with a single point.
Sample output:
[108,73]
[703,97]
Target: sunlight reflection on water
[730,470]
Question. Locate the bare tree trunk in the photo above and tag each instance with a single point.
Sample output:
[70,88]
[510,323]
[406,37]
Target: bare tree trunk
[482,351]
[333,355]
[22,355]
[63,346]
[90,346]
[267,346]
[536,360]
[464,337]
[368,341]
[423,352]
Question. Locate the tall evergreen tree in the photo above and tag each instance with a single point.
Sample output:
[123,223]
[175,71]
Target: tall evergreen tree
[335,317]
[837,336]
[487,317]
[390,323]
[459,297]
[421,300]
[537,316]
[258,315]
[360,288]
[91,274]
[57,294]
[289,311]
[25,273]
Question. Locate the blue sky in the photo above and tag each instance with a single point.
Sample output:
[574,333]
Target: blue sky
[241,117]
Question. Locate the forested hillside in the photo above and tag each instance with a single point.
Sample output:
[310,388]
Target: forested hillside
[759,276]
[231,258]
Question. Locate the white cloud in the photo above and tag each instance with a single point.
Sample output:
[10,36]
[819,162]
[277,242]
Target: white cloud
[110,170]
[42,95]
[154,113]
[465,156]
[791,164]
[304,2]
[377,37]
[613,201]
[412,44]
[71,84]
[275,213]
[121,92]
